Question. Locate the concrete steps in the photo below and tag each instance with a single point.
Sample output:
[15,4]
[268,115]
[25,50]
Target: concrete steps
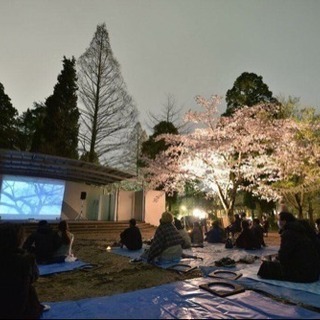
[86,226]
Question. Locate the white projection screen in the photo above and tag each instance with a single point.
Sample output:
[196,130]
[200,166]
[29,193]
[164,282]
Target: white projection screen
[30,198]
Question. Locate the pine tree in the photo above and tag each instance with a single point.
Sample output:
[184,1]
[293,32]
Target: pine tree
[248,90]
[58,133]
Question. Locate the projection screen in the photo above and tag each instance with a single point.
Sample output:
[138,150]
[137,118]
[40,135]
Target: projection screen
[30,198]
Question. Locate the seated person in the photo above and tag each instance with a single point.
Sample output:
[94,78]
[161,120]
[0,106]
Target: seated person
[216,234]
[167,241]
[235,226]
[247,239]
[67,238]
[131,237]
[18,272]
[196,234]
[257,230]
[43,243]
[298,259]
[185,235]
[311,233]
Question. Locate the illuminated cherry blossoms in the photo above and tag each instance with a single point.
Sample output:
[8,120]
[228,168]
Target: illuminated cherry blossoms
[253,149]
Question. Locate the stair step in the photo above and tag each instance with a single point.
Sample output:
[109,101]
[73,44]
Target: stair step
[86,226]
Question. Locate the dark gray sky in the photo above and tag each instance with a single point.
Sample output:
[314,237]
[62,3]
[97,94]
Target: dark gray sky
[179,47]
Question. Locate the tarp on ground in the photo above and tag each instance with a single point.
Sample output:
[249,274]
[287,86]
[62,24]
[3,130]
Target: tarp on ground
[308,293]
[47,269]
[179,300]
[206,255]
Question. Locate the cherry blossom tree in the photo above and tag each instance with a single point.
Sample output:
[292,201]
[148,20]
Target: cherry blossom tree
[298,162]
[223,152]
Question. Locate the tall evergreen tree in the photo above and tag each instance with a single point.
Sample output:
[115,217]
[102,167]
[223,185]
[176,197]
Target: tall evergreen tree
[58,133]
[28,123]
[151,148]
[248,90]
[108,112]
[8,130]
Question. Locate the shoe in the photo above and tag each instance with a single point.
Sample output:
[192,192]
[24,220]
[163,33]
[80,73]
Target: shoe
[45,307]
[225,262]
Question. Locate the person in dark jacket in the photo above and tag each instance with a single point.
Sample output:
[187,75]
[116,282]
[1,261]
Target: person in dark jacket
[258,231]
[167,241]
[43,243]
[18,272]
[196,234]
[235,226]
[298,259]
[247,239]
[131,237]
[216,234]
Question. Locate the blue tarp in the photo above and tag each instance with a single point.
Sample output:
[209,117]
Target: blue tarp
[48,269]
[186,300]
[179,300]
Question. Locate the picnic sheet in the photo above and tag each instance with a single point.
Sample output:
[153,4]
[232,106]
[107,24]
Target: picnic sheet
[179,300]
[136,254]
[48,269]
[207,256]
[298,292]
[313,287]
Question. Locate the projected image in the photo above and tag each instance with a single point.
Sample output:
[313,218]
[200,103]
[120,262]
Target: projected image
[23,198]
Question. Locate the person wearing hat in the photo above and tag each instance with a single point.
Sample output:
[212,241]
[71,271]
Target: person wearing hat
[167,241]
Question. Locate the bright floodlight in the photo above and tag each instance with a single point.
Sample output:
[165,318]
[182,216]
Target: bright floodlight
[198,213]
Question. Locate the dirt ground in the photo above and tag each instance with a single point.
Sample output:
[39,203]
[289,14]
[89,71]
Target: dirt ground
[112,273]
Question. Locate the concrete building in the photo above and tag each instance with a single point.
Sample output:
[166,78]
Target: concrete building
[84,194]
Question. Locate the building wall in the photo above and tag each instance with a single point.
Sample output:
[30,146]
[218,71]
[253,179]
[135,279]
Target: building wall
[121,206]
[73,206]
[155,205]
[125,205]
[118,206]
